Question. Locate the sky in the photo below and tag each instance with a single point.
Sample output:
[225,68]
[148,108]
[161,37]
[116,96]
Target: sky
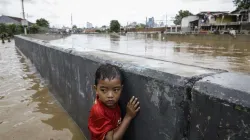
[100,12]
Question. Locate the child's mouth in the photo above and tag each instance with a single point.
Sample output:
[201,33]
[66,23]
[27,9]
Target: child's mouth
[110,102]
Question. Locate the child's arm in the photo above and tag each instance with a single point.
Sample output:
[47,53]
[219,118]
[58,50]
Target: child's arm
[132,109]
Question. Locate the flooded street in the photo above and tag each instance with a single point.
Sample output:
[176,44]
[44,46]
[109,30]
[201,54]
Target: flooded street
[230,56]
[27,109]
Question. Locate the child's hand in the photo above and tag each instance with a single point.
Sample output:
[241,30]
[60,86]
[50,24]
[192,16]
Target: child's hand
[132,107]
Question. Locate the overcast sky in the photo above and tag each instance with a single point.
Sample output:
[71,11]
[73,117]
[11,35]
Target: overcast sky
[100,12]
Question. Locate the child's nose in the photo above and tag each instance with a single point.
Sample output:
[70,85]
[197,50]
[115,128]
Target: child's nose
[110,94]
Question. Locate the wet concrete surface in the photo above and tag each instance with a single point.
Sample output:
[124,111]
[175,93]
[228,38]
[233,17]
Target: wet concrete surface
[27,109]
[226,55]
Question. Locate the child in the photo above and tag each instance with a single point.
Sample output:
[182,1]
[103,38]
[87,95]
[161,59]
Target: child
[105,117]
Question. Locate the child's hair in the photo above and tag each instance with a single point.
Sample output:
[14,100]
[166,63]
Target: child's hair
[108,71]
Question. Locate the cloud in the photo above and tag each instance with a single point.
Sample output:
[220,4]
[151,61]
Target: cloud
[5,2]
[58,12]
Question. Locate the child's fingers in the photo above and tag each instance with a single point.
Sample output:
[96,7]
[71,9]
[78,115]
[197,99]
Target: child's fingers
[137,109]
[131,100]
[137,104]
[135,100]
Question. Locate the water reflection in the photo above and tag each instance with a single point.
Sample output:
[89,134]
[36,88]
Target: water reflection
[27,109]
[226,55]
[48,105]
[114,42]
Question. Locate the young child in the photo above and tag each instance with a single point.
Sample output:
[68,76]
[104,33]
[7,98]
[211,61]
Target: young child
[105,117]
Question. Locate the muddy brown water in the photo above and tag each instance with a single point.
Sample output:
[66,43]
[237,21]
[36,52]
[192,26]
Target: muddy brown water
[228,55]
[27,110]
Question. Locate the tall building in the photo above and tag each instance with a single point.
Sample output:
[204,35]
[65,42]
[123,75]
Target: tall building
[151,22]
[89,25]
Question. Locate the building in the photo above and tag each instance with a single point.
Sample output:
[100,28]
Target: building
[173,29]
[132,25]
[104,28]
[11,20]
[189,23]
[162,24]
[222,21]
[151,22]
[89,25]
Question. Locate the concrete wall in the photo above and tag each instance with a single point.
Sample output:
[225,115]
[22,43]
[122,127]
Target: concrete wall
[174,106]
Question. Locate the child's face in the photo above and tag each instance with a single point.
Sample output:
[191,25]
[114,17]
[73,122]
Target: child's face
[109,91]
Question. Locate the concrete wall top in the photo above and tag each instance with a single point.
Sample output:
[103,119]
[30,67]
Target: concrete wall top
[220,108]
[230,87]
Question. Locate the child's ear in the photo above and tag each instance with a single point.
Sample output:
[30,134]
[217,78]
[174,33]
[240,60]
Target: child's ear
[95,88]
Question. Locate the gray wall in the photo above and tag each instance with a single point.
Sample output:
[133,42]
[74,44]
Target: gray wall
[173,107]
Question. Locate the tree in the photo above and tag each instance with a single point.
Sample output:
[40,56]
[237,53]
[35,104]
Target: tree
[242,4]
[42,22]
[115,26]
[74,27]
[3,28]
[181,15]
[34,29]
[139,26]
[11,29]
[19,29]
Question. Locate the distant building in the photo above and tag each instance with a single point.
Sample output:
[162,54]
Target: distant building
[11,20]
[189,23]
[132,25]
[89,31]
[89,25]
[217,21]
[162,24]
[103,28]
[151,22]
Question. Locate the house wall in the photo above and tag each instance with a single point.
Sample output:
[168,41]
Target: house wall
[225,20]
[7,20]
[219,20]
[185,23]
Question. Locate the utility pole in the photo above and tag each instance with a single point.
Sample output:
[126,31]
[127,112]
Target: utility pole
[71,21]
[166,20]
[25,31]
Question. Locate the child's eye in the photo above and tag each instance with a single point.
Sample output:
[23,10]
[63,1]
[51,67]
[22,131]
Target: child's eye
[104,90]
[116,90]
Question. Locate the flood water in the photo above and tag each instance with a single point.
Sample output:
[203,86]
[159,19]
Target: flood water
[27,109]
[225,55]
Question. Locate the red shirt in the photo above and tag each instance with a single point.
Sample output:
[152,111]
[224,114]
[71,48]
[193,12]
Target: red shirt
[102,120]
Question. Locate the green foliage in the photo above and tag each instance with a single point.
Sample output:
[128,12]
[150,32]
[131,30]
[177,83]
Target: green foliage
[11,29]
[98,31]
[19,29]
[242,4]
[34,29]
[74,27]
[181,15]
[115,26]
[3,28]
[140,26]
[42,22]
